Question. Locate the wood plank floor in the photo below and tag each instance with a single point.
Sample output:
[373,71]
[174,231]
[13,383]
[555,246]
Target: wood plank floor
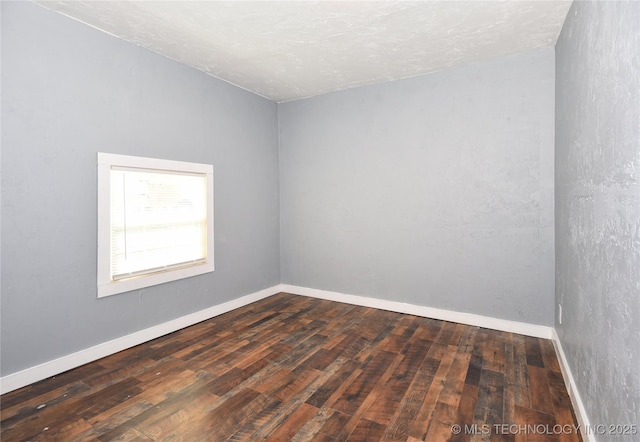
[296,368]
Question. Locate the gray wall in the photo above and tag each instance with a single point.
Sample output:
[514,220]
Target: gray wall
[598,206]
[69,91]
[435,190]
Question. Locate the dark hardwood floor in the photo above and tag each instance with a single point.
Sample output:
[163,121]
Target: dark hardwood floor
[296,368]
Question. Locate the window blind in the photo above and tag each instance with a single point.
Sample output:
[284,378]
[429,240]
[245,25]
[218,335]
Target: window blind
[158,221]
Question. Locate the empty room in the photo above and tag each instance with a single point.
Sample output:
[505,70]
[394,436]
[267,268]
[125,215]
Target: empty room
[320,220]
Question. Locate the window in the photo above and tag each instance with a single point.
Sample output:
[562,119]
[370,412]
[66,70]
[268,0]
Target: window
[155,222]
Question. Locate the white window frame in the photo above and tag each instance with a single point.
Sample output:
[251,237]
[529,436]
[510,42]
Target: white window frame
[106,285]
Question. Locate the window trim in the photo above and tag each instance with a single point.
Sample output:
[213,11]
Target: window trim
[105,285]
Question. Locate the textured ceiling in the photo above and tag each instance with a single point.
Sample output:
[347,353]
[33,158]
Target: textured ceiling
[285,50]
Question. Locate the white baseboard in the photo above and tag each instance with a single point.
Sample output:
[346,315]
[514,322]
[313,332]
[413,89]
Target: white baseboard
[538,331]
[572,388]
[51,368]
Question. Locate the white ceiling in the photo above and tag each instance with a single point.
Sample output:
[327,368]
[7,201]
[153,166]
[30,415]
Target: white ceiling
[285,50]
